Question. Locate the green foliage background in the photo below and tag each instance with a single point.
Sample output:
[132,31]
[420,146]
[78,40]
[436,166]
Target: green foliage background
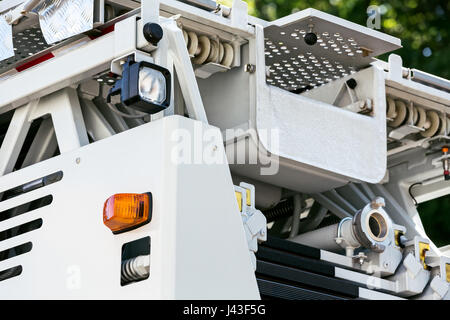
[420,24]
[423,27]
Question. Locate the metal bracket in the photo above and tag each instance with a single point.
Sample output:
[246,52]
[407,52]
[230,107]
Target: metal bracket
[150,11]
[116,64]
[64,108]
[185,71]
[207,70]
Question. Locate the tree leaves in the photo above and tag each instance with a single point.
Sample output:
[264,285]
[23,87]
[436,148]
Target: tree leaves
[422,25]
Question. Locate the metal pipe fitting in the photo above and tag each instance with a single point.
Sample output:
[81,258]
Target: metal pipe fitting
[370,228]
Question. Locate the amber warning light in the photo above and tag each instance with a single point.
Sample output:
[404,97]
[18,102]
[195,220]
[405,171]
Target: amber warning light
[127,211]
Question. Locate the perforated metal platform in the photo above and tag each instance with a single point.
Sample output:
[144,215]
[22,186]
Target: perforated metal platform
[28,38]
[342,48]
[26,44]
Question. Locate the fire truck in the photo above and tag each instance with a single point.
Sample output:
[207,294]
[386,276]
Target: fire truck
[164,149]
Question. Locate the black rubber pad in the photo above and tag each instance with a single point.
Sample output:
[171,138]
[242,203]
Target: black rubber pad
[295,261]
[302,277]
[286,245]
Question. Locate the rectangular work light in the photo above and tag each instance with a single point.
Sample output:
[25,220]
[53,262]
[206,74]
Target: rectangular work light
[144,86]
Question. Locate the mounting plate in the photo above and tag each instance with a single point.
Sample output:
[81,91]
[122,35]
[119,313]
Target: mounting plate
[342,48]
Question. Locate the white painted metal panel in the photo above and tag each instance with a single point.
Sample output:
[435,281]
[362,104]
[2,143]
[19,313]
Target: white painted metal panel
[319,146]
[323,136]
[198,246]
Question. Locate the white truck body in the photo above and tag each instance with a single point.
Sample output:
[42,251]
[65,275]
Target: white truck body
[307,133]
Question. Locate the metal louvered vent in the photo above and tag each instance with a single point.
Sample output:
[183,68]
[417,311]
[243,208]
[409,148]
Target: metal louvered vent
[21,223]
[342,48]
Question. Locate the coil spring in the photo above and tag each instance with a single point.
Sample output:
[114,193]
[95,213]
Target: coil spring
[433,124]
[203,49]
[281,210]
[134,269]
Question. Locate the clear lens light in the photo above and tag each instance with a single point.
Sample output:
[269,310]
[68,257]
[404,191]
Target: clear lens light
[152,85]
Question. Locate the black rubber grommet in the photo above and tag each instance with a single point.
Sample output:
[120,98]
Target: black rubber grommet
[310,38]
[153,33]
[352,83]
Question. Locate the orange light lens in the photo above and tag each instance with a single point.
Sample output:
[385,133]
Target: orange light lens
[126,211]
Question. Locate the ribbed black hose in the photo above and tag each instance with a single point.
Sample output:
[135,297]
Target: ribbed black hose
[282,210]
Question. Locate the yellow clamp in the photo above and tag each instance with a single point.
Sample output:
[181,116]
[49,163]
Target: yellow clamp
[239,199]
[423,248]
[398,234]
[447,271]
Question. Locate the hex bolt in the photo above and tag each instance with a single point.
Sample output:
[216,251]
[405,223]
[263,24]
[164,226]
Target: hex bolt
[377,203]
[250,68]
[446,163]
